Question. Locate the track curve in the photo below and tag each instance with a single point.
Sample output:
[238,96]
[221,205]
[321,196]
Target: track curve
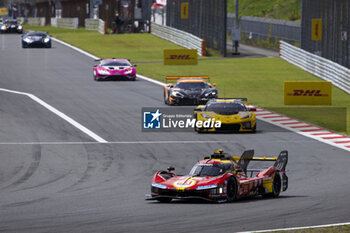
[54,178]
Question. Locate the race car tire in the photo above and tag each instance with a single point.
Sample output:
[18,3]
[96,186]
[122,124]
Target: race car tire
[164,199]
[165,100]
[276,186]
[231,193]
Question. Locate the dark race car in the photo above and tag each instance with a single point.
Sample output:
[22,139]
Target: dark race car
[192,90]
[222,178]
[36,40]
[11,25]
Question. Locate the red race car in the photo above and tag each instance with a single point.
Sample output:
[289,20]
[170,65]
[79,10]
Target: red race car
[222,178]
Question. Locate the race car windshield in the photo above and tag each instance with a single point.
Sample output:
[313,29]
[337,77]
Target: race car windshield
[209,169]
[36,34]
[115,63]
[226,108]
[195,85]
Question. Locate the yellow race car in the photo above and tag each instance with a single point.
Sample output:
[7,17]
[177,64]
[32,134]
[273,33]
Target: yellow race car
[229,115]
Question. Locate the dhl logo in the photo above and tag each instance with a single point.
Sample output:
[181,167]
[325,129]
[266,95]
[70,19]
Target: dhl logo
[180,57]
[307,93]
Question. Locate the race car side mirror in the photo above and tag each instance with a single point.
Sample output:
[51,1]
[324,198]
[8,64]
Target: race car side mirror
[135,65]
[214,84]
[170,169]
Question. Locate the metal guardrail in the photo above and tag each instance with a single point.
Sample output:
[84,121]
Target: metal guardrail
[96,24]
[316,65]
[264,28]
[179,37]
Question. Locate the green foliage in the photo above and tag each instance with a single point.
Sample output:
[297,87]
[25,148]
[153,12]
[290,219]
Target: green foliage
[276,9]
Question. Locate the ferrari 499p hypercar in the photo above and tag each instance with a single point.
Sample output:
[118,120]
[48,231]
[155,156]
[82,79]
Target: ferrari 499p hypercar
[232,113]
[222,178]
[36,40]
[189,90]
[114,69]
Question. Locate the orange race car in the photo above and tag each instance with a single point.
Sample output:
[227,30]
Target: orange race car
[189,90]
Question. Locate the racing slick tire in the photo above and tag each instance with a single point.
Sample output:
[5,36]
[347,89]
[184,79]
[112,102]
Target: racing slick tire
[95,76]
[166,100]
[164,199]
[231,193]
[276,186]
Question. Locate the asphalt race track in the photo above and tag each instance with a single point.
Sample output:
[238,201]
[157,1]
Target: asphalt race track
[55,178]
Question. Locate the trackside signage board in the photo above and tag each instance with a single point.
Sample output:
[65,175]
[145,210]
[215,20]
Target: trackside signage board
[3,11]
[307,93]
[180,57]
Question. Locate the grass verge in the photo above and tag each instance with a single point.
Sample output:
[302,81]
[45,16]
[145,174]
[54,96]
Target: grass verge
[259,79]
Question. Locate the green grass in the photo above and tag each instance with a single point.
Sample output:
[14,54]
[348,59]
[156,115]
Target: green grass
[259,79]
[276,9]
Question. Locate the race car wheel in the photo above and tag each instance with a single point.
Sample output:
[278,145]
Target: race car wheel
[276,186]
[164,199]
[165,100]
[231,192]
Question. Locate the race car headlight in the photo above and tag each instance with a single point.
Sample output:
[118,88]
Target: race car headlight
[210,94]
[205,116]
[244,115]
[160,186]
[176,94]
[129,71]
[47,40]
[20,27]
[28,40]
[206,187]
[104,72]
[3,27]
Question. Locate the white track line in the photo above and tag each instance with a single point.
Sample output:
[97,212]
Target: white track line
[262,114]
[59,113]
[298,228]
[123,142]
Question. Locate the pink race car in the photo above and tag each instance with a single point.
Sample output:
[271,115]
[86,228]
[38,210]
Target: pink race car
[114,69]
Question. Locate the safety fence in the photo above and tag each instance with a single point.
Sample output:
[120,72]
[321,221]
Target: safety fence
[205,19]
[316,65]
[96,25]
[65,22]
[256,28]
[37,21]
[179,37]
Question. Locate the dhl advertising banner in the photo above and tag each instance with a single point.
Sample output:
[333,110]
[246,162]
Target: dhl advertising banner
[180,57]
[307,93]
[3,11]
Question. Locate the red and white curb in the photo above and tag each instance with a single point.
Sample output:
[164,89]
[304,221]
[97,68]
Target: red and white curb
[299,127]
[305,129]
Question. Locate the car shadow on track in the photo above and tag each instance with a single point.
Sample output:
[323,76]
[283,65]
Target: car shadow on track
[239,201]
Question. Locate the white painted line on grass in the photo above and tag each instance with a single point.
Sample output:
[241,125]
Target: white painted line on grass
[298,228]
[60,114]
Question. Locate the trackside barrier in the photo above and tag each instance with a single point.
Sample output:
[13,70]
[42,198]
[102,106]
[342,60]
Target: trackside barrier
[54,22]
[179,37]
[97,25]
[65,22]
[37,21]
[316,65]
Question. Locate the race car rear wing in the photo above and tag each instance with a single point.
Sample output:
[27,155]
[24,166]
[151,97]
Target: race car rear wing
[171,78]
[248,155]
